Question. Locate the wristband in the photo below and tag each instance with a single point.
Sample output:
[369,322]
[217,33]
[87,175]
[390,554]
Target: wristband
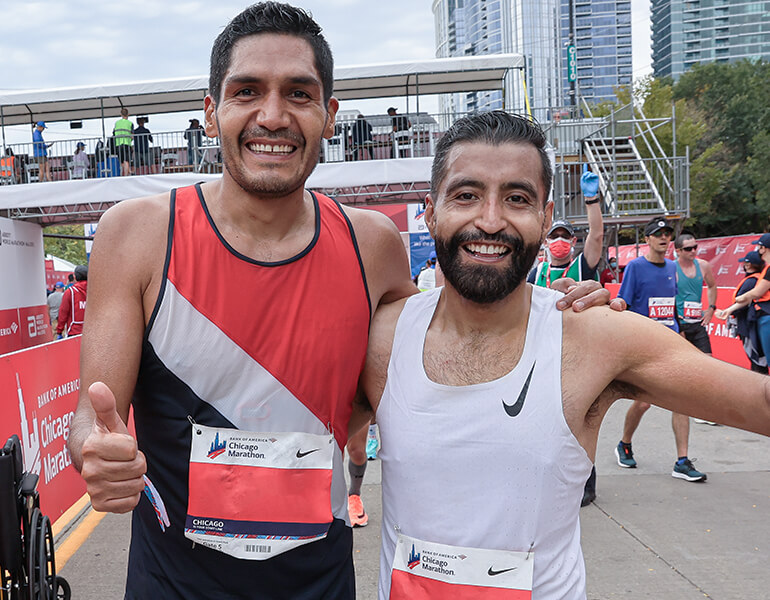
[594,201]
[713,306]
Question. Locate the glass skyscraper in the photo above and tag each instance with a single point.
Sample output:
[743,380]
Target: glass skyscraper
[689,32]
[539,30]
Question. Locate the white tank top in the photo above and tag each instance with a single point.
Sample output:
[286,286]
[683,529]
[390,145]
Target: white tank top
[458,470]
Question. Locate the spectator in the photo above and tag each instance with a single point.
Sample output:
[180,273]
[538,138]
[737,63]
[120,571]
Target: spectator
[744,319]
[609,275]
[40,151]
[80,162]
[54,302]
[142,139]
[426,280]
[70,281]
[362,138]
[401,125]
[123,132]
[73,305]
[194,136]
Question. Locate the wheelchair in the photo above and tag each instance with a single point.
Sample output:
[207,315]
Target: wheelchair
[27,559]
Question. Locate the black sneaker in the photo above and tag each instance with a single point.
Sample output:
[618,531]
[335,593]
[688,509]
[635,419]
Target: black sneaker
[625,456]
[687,472]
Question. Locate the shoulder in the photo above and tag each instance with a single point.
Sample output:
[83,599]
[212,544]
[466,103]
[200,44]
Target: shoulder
[381,334]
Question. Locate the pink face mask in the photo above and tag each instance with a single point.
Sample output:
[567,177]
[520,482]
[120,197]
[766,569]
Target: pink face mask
[559,248]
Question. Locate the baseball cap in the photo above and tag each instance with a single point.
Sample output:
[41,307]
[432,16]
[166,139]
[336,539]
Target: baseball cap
[764,241]
[81,273]
[562,224]
[655,225]
[81,145]
[753,258]
[432,256]
[42,124]
[59,284]
[392,108]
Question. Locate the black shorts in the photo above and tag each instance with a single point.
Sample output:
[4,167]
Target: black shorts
[697,335]
[124,152]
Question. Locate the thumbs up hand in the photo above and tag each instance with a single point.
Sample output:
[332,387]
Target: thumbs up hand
[113,467]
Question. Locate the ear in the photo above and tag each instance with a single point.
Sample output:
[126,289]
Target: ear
[430,215]
[331,111]
[210,110]
[548,217]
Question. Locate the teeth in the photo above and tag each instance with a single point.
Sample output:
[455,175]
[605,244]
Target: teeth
[486,249]
[266,148]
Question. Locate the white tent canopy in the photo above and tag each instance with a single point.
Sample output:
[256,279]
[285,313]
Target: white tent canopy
[436,76]
[84,200]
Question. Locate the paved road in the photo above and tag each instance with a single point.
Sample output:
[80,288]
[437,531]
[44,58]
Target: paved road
[647,536]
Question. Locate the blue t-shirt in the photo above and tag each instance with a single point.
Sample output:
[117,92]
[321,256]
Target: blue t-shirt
[38,144]
[650,290]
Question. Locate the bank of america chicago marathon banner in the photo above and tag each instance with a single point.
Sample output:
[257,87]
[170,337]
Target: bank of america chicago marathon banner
[23,311]
[38,394]
[420,242]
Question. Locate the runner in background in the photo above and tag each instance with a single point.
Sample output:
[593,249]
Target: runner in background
[73,305]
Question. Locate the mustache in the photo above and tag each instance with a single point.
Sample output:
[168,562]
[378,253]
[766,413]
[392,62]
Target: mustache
[468,237]
[279,134]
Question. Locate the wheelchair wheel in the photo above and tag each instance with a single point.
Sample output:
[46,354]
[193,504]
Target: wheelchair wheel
[41,561]
[62,591]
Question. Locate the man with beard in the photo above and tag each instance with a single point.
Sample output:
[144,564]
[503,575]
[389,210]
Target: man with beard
[510,392]
[241,385]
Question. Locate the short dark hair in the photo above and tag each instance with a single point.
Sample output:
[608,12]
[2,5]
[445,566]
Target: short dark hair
[494,127]
[271,17]
[681,239]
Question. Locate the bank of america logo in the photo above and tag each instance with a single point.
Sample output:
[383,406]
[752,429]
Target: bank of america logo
[414,559]
[419,213]
[216,447]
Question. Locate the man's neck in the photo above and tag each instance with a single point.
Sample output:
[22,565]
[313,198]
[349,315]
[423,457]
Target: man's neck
[685,262]
[655,256]
[263,228]
[465,318]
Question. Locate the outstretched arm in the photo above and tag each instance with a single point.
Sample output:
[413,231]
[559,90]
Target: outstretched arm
[589,186]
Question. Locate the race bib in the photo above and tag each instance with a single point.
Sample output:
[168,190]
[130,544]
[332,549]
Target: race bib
[256,495]
[693,312]
[426,571]
[662,310]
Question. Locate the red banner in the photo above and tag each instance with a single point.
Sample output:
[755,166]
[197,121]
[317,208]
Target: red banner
[40,389]
[24,327]
[723,346]
[722,253]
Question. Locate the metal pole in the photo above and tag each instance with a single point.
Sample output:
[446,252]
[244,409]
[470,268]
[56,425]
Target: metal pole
[104,133]
[673,129]
[407,94]
[2,125]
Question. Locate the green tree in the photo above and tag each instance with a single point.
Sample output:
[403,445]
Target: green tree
[73,250]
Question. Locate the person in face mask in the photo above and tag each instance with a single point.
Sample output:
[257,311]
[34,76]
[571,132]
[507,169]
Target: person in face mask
[560,242]
[608,275]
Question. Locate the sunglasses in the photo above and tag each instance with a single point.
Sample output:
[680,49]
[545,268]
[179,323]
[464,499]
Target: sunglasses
[690,248]
[662,233]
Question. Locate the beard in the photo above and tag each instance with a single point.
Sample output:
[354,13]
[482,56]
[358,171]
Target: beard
[265,183]
[480,283]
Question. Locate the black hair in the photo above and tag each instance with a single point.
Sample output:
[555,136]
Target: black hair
[681,239]
[494,127]
[271,17]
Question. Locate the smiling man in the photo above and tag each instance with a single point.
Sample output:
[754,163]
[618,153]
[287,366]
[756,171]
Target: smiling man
[510,391]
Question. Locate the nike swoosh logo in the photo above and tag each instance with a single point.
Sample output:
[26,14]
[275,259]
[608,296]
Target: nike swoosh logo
[514,409]
[492,572]
[301,454]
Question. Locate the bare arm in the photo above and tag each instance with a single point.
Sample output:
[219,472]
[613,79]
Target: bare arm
[595,238]
[711,290]
[631,352]
[759,290]
[124,274]
[383,255]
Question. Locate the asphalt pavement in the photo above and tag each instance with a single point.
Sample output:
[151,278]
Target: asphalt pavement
[646,536]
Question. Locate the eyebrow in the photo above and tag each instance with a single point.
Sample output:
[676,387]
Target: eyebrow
[524,186]
[250,80]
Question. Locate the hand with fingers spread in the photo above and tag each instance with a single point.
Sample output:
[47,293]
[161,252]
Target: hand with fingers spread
[113,466]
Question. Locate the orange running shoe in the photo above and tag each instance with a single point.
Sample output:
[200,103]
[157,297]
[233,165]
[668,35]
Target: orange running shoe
[358,516]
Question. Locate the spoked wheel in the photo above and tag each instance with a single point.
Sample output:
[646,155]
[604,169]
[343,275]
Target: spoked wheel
[41,565]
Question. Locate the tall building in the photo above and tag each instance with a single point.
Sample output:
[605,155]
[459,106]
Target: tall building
[601,34]
[689,32]
[539,30]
